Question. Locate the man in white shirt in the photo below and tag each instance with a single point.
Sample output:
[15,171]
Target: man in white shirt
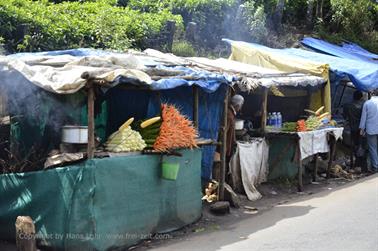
[369,125]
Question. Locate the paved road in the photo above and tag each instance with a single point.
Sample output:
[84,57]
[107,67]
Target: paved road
[345,219]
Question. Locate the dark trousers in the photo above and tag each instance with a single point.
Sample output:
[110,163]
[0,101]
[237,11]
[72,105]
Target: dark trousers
[357,142]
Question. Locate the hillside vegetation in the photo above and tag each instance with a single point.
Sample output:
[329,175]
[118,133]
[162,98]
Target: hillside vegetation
[27,25]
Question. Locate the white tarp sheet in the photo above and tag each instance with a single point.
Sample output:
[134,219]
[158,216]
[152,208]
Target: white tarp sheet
[255,76]
[249,166]
[313,142]
[62,74]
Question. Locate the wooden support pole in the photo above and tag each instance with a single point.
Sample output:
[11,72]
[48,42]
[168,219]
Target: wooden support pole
[315,174]
[25,234]
[264,109]
[91,123]
[195,107]
[300,169]
[224,147]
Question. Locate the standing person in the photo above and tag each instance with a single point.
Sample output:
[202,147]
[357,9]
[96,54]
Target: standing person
[235,106]
[352,112]
[369,125]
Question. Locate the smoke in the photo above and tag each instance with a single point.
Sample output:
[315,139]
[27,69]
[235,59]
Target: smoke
[248,22]
[37,115]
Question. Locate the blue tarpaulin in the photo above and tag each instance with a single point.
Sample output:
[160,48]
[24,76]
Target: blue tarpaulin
[350,51]
[359,50]
[364,75]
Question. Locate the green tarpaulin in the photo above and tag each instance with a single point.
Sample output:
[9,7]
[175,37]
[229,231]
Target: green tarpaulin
[282,163]
[103,203]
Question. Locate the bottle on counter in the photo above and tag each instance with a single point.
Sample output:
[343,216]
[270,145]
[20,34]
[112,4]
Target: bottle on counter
[279,120]
[269,119]
[274,119]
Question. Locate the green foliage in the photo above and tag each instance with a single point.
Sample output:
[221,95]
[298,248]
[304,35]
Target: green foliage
[38,25]
[354,21]
[183,49]
[30,25]
[255,18]
[212,16]
[353,16]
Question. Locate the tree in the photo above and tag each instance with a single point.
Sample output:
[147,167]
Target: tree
[278,13]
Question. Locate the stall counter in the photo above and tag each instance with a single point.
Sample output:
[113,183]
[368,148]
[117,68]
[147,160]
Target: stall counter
[103,203]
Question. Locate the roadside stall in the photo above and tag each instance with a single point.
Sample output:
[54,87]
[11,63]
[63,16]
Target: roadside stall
[122,124]
[345,67]
[281,148]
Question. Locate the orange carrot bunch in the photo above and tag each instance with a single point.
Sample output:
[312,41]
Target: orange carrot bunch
[176,131]
[301,125]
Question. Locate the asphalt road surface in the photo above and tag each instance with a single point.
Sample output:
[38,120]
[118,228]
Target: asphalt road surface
[344,219]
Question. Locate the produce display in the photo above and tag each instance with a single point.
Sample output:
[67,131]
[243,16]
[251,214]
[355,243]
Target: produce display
[176,131]
[150,129]
[316,120]
[125,139]
[289,126]
[301,125]
[313,123]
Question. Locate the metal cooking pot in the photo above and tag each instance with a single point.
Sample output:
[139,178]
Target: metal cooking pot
[75,134]
[239,124]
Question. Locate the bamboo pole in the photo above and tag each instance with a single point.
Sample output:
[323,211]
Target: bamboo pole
[91,123]
[195,107]
[224,147]
[264,109]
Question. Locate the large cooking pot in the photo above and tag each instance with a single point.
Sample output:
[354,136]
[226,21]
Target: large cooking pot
[239,124]
[75,134]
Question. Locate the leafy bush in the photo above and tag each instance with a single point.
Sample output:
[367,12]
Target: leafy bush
[355,21]
[38,25]
[255,18]
[211,16]
[183,49]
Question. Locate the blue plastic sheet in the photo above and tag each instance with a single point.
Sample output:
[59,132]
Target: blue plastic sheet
[359,50]
[350,51]
[210,112]
[207,81]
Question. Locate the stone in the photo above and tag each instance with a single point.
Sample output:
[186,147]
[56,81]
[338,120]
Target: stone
[220,207]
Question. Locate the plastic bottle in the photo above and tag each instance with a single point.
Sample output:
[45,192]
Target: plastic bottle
[279,120]
[274,119]
[269,119]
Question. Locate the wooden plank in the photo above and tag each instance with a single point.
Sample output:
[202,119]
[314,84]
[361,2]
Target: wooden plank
[25,234]
[224,147]
[264,109]
[91,123]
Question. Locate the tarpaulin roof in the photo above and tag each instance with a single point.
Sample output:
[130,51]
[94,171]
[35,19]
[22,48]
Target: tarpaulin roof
[259,55]
[252,77]
[359,50]
[364,75]
[60,71]
[350,51]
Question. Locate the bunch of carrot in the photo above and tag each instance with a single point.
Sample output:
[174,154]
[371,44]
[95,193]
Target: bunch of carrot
[176,131]
[301,125]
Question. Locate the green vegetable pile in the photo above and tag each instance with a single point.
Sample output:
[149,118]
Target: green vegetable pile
[289,126]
